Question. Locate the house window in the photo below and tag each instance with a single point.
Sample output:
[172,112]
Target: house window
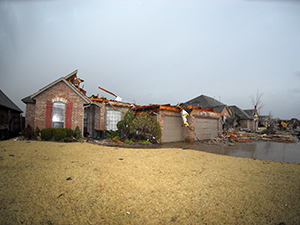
[112,118]
[58,116]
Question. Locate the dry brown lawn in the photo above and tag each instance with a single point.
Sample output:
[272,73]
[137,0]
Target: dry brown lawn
[112,185]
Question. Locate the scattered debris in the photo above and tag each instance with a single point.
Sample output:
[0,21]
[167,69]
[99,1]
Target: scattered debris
[243,137]
[60,195]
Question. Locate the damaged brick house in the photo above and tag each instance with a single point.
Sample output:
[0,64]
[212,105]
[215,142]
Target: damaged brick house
[63,103]
[203,123]
[246,121]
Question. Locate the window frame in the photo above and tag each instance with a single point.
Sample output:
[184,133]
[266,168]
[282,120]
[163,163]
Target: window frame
[112,120]
[61,120]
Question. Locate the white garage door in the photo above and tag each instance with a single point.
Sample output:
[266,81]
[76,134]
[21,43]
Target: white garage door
[173,129]
[206,128]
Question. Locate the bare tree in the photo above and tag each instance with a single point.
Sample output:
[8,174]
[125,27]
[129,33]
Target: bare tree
[257,103]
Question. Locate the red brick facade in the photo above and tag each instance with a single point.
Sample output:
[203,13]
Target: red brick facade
[61,92]
[30,114]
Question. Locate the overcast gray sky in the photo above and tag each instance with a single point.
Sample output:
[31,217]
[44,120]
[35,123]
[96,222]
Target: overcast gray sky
[156,51]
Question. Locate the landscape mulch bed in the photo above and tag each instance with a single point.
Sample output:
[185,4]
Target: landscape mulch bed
[83,183]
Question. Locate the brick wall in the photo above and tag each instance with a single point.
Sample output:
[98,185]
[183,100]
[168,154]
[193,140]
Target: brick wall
[100,116]
[30,115]
[36,113]
[97,117]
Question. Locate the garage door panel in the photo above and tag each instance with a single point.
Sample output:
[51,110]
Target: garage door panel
[206,128]
[173,129]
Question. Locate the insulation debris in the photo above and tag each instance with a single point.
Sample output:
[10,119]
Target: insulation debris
[119,99]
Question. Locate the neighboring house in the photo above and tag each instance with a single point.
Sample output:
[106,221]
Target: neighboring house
[245,120]
[63,103]
[10,115]
[252,113]
[264,121]
[207,102]
[203,123]
[210,103]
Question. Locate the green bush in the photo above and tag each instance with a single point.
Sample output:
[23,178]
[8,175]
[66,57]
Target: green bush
[125,124]
[47,134]
[69,132]
[111,134]
[59,134]
[37,132]
[129,142]
[144,142]
[116,138]
[145,127]
[77,133]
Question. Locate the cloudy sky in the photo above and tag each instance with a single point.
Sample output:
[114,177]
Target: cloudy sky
[148,51]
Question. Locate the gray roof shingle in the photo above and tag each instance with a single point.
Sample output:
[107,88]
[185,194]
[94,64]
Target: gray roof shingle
[207,102]
[6,102]
[241,113]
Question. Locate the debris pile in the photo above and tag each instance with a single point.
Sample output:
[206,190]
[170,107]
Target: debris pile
[243,137]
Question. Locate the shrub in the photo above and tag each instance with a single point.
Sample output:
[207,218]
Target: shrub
[144,142]
[116,138]
[47,134]
[125,124]
[129,142]
[145,127]
[69,132]
[77,133]
[28,133]
[59,134]
[37,132]
[111,134]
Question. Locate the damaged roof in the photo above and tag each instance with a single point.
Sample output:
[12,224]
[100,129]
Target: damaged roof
[153,108]
[250,112]
[68,81]
[72,81]
[6,102]
[241,113]
[207,102]
[112,103]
